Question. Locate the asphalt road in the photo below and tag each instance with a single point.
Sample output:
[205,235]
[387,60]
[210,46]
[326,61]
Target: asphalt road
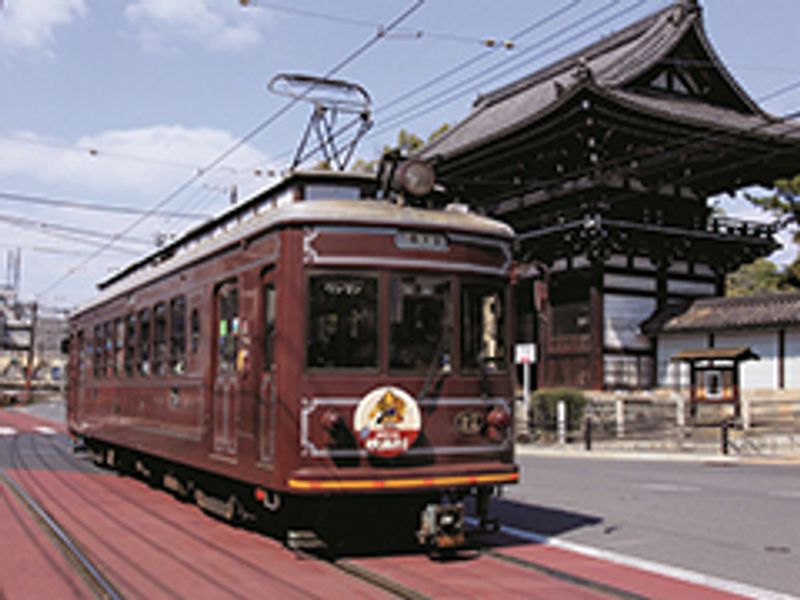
[734,521]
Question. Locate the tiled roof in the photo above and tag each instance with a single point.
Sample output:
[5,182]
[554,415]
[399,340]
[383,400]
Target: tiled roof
[609,67]
[744,312]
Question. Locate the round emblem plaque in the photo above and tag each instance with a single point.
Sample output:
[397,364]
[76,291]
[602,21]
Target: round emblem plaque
[387,421]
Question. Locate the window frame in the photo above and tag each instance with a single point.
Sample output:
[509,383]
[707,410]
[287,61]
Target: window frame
[144,352]
[177,335]
[378,276]
[454,285]
[160,339]
[502,285]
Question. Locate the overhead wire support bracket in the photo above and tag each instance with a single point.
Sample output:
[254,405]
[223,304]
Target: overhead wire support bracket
[340,117]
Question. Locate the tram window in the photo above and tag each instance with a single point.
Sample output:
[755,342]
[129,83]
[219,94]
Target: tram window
[420,313]
[177,335]
[195,330]
[342,324]
[228,311]
[144,342]
[482,326]
[270,296]
[159,338]
[119,347]
[108,351]
[98,351]
[130,344]
[81,357]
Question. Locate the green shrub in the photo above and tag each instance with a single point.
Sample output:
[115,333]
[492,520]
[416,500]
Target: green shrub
[543,410]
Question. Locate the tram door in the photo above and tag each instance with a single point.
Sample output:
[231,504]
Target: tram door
[267,392]
[227,384]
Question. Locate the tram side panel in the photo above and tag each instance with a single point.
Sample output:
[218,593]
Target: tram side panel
[167,414]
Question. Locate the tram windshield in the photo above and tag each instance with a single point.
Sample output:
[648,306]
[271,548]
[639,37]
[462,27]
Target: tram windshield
[344,330]
[420,309]
[343,322]
[483,326]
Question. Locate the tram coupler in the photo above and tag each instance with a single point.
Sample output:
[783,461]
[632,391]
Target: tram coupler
[442,526]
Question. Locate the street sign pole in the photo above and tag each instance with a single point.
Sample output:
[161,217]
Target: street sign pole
[525,354]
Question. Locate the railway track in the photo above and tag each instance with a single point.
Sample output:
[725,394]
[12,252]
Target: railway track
[92,574]
[107,546]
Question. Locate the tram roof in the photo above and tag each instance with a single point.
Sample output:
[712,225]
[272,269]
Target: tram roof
[292,181]
[259,214]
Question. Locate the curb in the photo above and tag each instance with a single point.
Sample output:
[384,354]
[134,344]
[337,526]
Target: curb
[647,455]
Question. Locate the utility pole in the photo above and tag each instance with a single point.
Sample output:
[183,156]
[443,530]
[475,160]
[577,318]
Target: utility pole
[31,354]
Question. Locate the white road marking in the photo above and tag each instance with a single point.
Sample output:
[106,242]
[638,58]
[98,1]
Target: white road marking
[45,430]
[7,431]
[679,573]
[666,487]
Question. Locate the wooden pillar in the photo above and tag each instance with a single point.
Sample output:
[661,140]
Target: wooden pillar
[541,294]
[596,327]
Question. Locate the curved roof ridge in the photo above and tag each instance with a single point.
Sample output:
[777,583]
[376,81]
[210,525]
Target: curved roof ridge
[653,45]
[589,53]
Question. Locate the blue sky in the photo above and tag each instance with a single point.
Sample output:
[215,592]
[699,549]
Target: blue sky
[121,102]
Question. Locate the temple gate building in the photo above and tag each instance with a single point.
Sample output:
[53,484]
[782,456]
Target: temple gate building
[603,163]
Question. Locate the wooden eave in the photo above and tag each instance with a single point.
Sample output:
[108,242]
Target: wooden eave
[759,154]
[595,236]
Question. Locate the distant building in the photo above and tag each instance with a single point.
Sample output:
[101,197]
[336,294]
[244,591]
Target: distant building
[769,325]
[20,325]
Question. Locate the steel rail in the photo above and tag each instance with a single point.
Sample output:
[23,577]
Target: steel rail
[97,582]
[377,580]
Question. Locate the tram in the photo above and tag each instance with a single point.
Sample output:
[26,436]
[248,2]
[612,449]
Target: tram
[310,350]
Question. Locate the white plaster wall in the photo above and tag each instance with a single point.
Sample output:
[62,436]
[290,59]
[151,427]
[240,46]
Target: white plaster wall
[755,374]
[793,359]
[669,372]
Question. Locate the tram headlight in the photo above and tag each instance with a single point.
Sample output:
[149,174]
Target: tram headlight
[415,177]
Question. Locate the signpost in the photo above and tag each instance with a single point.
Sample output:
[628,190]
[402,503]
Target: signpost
[525,355]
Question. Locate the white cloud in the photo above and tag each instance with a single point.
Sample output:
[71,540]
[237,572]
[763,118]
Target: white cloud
[147,161]
[30,24]
[217,24]
[133,167]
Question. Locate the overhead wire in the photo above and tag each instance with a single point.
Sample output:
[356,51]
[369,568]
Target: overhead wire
[219,159]
[471,83]
[93,206]
[447,74]
[97,152]
[53,230]
[399,33]
[456,91]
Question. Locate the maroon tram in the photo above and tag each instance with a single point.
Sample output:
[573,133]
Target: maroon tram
[310,343]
